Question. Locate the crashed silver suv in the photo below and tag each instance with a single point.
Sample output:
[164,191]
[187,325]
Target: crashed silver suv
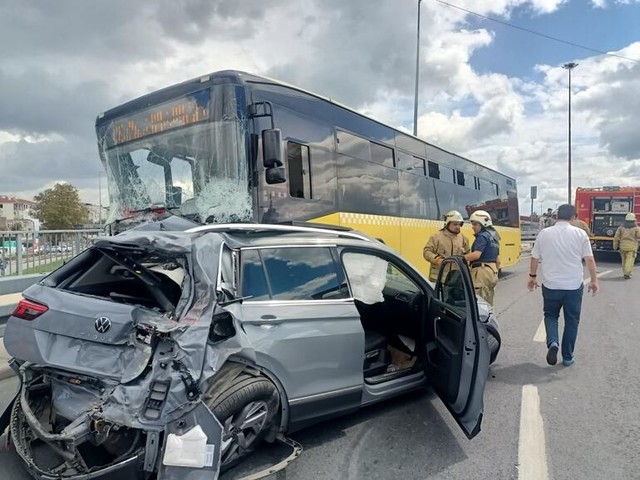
[173,354]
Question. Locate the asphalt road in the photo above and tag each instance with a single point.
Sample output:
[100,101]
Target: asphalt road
[540,422]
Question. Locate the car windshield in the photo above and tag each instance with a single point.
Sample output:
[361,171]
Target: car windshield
[198,171]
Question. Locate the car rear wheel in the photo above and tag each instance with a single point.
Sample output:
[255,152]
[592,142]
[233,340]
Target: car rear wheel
[247,409]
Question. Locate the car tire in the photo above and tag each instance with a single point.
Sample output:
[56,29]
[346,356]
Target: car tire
[495,342]
[247,410]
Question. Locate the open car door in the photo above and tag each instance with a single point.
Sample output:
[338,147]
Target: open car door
[457,352]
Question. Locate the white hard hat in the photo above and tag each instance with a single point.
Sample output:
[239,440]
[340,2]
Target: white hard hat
[452,216]
[482,217]
[630,217]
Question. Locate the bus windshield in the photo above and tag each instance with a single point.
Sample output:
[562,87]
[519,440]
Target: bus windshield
[187,156]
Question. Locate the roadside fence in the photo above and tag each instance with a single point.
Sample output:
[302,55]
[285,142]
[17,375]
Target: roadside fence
[33,252]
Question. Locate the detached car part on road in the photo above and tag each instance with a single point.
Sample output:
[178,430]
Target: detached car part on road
[173,354]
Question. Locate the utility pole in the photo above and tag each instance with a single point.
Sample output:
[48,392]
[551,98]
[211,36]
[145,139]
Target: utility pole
[100,195]
[569,66]
[415,101]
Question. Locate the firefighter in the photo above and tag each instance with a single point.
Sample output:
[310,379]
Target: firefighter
[484,257]
[626,240]
[445,242]
[576,222]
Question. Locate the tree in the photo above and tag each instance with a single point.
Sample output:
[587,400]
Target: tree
[60,207]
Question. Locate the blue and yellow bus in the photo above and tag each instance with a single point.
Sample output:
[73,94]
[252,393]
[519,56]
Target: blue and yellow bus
[230,146]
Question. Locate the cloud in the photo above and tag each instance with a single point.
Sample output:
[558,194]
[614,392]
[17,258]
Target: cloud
[33,164]
[607,3]
[71,60]
[40,103]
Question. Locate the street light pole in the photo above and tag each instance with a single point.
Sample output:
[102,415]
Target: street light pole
[100,197]
[415,101]
[569,66]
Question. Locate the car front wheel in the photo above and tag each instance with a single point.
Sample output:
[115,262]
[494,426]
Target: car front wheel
[247,409]
[494,341]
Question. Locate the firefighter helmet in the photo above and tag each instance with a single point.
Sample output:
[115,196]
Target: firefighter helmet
[630,217]
[481,217]
[452,216]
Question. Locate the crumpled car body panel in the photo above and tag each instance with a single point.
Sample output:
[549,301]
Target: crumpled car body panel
[143,378]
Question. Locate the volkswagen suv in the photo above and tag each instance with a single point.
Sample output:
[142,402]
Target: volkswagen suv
[173,354]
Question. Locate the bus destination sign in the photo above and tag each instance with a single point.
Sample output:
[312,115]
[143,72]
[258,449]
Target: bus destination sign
[177,113]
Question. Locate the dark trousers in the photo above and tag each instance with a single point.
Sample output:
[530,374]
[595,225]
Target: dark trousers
[570,301]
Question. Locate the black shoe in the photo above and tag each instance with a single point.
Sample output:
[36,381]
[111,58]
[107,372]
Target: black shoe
[552,354]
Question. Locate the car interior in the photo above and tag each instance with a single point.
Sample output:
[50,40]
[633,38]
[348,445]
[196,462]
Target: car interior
[391,321]
[94,273]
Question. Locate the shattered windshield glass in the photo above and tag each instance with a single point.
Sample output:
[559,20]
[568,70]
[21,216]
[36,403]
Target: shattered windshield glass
[196,168]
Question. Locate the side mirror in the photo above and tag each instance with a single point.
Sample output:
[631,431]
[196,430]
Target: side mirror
[275,175]
[272,148]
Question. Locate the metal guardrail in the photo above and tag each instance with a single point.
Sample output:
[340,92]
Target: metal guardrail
[28,252]
[27,256]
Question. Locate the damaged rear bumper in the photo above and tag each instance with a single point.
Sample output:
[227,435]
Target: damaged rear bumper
[143,453]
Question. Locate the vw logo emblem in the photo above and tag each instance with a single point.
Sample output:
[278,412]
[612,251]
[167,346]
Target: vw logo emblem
[102,324]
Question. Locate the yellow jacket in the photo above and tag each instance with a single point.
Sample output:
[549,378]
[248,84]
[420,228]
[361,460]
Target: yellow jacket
[627,239]
[580,224]
[443,244]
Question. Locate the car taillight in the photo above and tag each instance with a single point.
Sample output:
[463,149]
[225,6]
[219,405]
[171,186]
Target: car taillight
[28,310]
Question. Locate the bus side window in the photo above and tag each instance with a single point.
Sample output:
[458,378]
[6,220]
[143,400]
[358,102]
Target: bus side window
[434,170]
[299,170]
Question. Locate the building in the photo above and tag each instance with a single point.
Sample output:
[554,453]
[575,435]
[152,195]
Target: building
[16,212]
[97,214]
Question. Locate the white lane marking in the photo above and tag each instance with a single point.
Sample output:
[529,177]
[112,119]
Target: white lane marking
[601,274]
[541,334]
[532,455]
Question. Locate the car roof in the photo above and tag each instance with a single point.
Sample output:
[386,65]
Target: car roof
[254,235]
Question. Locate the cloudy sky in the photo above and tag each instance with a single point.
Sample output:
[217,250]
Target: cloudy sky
[491,92]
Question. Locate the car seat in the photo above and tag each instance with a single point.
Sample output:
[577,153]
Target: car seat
[376,356]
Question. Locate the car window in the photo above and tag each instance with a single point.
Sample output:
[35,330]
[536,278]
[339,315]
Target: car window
[399,280]
[371,276]
[308,273]
[452,292]
[254,282]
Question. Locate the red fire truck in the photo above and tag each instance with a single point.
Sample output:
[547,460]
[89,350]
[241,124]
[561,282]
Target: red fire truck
[603,209]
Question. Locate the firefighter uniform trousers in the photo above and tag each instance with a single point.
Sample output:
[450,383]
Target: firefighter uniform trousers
[627,239]
[485,279]
[628,259]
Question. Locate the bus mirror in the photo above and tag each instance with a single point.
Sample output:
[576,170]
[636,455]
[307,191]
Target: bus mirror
[272,147]
[274,175]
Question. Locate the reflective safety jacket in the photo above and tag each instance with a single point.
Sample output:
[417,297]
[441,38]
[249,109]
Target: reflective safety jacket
[580,224]
[443,244]
[626,239]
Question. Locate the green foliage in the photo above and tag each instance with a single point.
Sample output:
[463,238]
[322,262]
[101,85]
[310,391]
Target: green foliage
[60,208]
[44,268]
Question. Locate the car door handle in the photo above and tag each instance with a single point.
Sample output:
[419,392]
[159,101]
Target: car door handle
[267,321]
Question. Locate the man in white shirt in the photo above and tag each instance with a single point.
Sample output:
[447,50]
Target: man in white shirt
[561,248]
